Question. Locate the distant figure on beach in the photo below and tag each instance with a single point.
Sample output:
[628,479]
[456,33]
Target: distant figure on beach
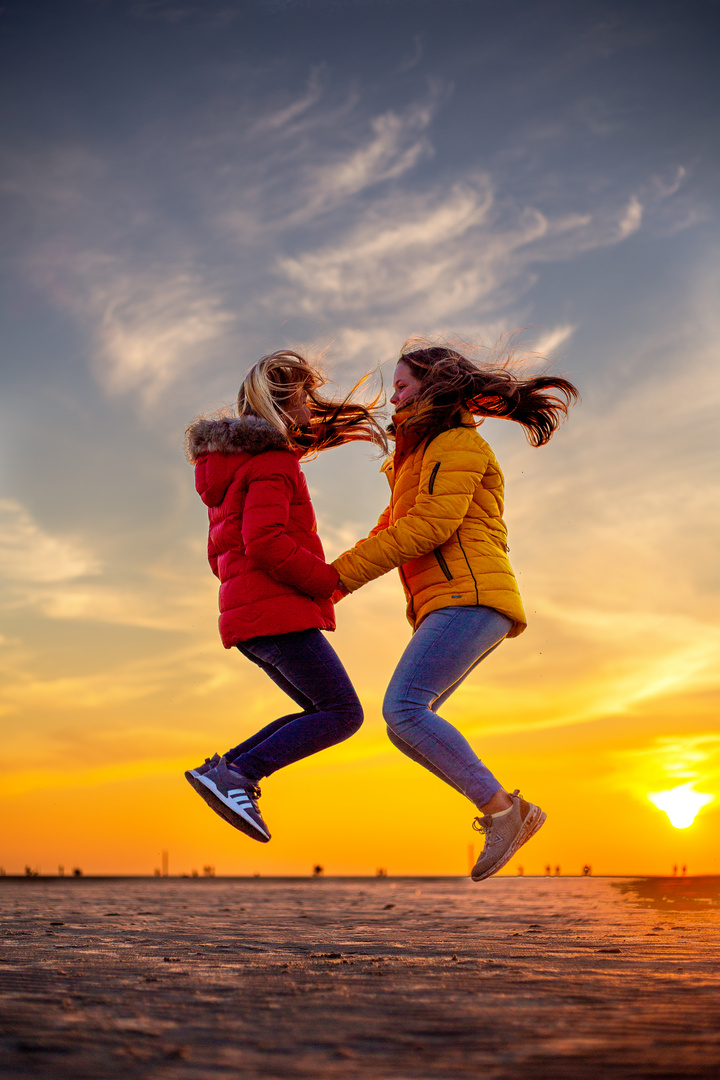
[444,531]
[275,585]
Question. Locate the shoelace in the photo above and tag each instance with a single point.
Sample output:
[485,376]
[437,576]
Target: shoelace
[484,824]
[247,785]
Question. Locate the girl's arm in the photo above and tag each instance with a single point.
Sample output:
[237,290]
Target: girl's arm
[267,543]
[383,522]
[432,519]
[213,559]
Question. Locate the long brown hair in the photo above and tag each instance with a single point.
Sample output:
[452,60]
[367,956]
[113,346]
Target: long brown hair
[272,384]
[450,383]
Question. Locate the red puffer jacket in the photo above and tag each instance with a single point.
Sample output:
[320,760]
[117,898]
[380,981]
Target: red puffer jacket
[263,542]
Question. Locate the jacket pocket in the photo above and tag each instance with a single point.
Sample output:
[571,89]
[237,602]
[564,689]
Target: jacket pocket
[433,474]
[443,565]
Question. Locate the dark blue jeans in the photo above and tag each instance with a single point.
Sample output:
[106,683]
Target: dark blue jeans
[308,669]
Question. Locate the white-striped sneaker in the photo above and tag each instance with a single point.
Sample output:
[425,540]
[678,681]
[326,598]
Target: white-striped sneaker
[232,796]
[209,763]
[194,777]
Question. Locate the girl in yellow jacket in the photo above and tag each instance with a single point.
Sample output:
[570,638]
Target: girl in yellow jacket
[444,531]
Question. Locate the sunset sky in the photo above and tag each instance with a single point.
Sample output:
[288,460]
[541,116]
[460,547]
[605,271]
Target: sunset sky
[189,184]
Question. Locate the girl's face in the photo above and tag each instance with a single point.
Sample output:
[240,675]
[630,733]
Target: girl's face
[297,408]
[405,386]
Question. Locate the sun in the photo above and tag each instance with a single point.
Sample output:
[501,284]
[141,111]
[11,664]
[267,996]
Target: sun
[681,804]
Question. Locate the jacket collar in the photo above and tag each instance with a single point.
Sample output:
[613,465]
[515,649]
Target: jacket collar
[406,443]
[233,435]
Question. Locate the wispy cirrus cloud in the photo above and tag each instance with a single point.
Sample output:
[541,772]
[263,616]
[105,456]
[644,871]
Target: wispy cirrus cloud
[396,144]
[321,211]
[149,331]
[117,685]
[463,257]
[29,554]
[148,324]
[287,115]
[632,218]
[311,156]
[396,252]
[59,576]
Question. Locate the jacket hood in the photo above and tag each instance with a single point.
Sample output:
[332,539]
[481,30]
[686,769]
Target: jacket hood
[233,435]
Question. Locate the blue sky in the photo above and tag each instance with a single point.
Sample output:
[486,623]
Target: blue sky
[187,186]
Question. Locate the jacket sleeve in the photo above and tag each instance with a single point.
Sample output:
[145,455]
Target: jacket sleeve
[383,522]
[213,560]
[268,544]
[439,509]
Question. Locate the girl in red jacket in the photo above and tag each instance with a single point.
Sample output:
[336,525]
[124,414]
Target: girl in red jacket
[275,586]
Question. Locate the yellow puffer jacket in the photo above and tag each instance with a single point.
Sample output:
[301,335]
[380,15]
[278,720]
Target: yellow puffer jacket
[443,529]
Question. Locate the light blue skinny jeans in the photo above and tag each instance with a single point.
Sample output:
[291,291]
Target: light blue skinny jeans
[448,644]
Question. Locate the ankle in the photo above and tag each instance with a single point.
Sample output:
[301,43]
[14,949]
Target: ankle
[499,802]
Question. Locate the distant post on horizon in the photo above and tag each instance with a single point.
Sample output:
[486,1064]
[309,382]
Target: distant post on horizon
[165,864]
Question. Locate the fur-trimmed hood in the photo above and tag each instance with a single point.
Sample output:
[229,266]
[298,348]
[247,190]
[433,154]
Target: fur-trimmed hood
[233,435]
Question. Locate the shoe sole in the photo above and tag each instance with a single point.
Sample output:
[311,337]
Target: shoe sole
[227,813]
[232,807]
[532,823]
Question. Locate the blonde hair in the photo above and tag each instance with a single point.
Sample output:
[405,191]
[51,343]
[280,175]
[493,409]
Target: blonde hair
[272,385]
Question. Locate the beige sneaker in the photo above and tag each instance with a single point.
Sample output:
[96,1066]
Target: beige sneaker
[505,834]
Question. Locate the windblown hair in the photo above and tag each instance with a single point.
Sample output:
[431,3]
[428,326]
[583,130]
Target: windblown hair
[271,386]
[450,383]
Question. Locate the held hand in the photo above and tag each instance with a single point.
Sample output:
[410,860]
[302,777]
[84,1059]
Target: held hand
[339,593]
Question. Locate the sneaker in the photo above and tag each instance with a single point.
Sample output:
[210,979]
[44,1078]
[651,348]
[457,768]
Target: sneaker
[194,777]
[209,764]
[232,796]
[504,835]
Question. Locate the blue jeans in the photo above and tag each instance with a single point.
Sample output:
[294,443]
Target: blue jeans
[308,669]
[448,644]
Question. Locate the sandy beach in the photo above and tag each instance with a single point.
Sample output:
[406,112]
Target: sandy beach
[343,978]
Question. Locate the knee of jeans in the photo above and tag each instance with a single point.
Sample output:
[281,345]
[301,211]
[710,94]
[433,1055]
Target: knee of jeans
[395,739]
[353,717]
[395,713]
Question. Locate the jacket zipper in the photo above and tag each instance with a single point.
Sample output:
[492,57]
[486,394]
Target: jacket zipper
[467,561]
[433,474]
[438,553]
[411,599]
[443,565]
